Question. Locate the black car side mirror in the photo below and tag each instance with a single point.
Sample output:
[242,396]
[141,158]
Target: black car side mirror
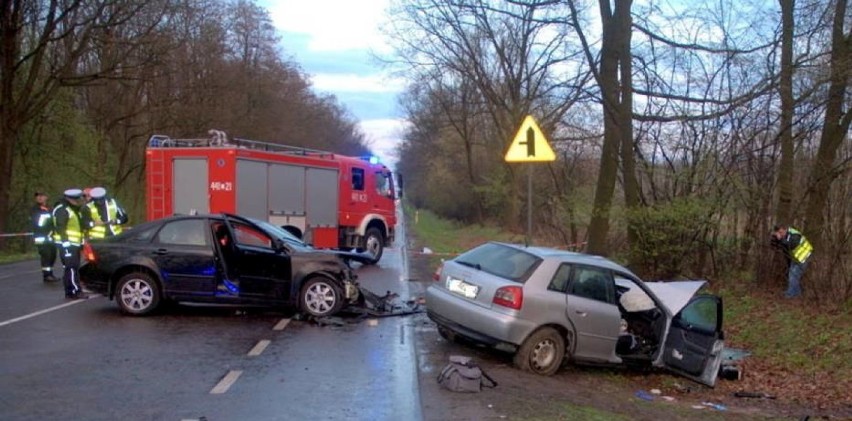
[279,246]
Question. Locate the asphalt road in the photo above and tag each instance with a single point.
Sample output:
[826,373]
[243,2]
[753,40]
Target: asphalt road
[84,360]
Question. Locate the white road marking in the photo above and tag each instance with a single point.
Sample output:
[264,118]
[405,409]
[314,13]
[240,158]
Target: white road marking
[258,349]
[19,273]
[226,382]
[282,324]
[45,311]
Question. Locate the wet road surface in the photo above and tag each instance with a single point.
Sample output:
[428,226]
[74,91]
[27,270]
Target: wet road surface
[85,360]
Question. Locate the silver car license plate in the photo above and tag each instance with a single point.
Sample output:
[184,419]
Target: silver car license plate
[461,287]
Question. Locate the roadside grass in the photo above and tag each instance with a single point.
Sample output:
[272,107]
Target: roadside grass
[16,257]
[446,238]
[570,411]
[793,335]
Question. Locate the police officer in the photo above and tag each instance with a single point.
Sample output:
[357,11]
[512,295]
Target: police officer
[798,250]
[105,215]
[68,235]
[42,223]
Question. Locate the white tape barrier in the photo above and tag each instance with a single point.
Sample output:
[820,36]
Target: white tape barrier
[19,234]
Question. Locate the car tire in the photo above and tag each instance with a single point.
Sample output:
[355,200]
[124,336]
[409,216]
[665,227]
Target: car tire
[374,244]
[320,297]
[542,352]
[137,294]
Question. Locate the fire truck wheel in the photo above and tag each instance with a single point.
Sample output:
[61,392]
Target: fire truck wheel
[137,294]
[320,297]
[375,244]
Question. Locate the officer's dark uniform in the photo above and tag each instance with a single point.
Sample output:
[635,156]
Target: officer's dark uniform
[68,235]
[42,223]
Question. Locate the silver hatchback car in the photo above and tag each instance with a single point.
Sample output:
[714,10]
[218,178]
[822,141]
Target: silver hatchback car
[545,304]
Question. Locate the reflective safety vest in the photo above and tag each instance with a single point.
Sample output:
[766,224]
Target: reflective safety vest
[73,230]
[803,250]
[100,231]
[43,220]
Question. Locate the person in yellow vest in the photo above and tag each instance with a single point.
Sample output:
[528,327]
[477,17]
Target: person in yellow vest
[798,250]
[68,235]
[105,215]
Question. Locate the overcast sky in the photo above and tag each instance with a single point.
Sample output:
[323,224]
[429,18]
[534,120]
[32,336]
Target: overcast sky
[332,40]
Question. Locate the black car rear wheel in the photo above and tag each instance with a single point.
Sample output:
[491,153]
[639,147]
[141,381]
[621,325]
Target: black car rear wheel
[542,352]
[320,297]
[137,294]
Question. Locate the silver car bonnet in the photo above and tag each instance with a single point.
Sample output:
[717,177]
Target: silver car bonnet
[675,295]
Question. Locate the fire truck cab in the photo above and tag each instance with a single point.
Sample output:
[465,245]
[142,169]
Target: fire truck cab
[330,200]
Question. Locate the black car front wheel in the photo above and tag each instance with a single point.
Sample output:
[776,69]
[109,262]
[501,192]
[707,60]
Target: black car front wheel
[137,294]
[542,352]
[320,297]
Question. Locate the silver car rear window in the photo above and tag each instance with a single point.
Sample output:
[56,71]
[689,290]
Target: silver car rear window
[500,260]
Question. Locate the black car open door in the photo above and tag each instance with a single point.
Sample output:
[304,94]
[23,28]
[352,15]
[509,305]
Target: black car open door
[694,343]
[260,266]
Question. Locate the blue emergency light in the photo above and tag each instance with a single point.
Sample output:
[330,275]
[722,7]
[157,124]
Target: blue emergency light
[371,159]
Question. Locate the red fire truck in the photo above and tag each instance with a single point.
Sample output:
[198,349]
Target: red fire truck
[332,201]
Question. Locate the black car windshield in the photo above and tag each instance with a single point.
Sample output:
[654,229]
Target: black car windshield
[501,260]
[282,234]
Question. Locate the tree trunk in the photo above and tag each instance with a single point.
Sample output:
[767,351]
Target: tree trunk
[614,130]
[9,21]
[785,171]
[835,129]
[628,157]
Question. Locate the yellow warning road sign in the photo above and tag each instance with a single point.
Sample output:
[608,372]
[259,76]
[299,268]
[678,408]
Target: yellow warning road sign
[529,144]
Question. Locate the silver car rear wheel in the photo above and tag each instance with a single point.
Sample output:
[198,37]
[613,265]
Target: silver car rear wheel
[542,352]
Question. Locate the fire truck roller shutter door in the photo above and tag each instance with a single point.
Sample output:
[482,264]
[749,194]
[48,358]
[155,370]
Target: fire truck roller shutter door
[287,196]
[322,207]
[190,192]
[252,192]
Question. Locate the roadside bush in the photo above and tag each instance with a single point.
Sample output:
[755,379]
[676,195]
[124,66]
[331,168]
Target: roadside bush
[671,237]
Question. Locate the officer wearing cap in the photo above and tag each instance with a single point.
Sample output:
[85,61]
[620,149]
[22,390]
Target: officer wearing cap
[105,215]
[68,235]
[42,223]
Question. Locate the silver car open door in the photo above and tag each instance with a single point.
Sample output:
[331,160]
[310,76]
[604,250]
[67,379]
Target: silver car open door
[693,346]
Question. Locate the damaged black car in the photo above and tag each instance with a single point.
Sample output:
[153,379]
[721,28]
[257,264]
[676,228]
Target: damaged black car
[217,259]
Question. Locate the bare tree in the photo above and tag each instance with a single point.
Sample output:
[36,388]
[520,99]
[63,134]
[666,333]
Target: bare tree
[835,128]
[506,51]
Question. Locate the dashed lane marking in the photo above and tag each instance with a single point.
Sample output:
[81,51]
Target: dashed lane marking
[282,324]
[45,311]
[258,349]
[226,382]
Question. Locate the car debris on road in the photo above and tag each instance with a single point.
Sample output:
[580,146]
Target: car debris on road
[370,306]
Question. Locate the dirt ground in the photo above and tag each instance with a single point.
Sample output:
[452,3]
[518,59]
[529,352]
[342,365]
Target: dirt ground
[575,392]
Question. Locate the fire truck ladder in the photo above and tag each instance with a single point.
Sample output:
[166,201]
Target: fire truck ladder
[156,178]
[218,138]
